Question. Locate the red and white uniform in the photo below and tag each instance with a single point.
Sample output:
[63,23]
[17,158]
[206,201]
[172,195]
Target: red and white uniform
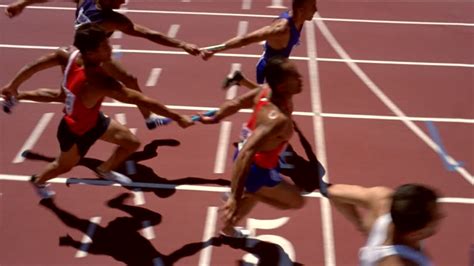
[264,159]
[78,117]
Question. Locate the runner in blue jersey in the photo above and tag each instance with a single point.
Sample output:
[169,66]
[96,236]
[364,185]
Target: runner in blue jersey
[280,37]
[101,13]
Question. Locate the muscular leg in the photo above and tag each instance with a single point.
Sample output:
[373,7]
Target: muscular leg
[62,164]
[282,196]
[128,144]
[248,83]
[246,205]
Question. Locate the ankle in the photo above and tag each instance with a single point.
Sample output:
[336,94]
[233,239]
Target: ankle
[36,181]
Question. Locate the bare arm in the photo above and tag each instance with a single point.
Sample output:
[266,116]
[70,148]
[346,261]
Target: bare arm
[231,107]
[116,71]
[59,57]
[125,25]
[14,9]
[347,198]
[276,29]
[126,95]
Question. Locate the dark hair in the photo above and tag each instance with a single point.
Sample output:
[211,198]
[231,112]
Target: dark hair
[275,70]
[298,3]
[88,37]
[412,207]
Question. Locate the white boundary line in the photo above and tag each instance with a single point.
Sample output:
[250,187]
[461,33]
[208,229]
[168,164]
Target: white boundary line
[246,4]
[318,124]
[242,27]
[301,58]
[87,238]
[153,77]
[427,23]
[232,91]
[299,113]
[199,188]
[34,136]
[209,231]
[388,102]
[173,30]
[222,145]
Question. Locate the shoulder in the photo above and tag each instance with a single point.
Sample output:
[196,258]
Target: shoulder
[63,53]
[270,115]
[281,25]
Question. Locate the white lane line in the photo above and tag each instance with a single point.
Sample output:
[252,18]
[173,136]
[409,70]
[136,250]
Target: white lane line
[435,23]
[326,216]
[87,238]
[117,52]
[153,78]
[147,230]
[138,197]
[121,118]
[209,231]
[173,31]
[186,1]
[117,35]
[389,103]
[232,91]
[246,4]
[222,147]
[242,28]
[302,58]
[424,23]
[34,136]
[199,188]
[298,113]
[277,4]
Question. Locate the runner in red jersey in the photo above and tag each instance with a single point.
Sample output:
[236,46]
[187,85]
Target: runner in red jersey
[255,175]
[83,89]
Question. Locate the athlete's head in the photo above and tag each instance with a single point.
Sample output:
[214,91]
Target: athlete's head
[415,211]
[304,8]
[110,4]
[282,76]
[92,42]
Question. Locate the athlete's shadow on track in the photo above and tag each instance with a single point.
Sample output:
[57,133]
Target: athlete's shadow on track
[143,173]
[268,254]
[121,238]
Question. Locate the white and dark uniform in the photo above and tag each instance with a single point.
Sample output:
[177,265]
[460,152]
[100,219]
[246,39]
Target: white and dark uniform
[374,250]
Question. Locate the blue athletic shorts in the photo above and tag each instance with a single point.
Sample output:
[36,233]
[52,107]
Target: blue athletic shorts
[259,177]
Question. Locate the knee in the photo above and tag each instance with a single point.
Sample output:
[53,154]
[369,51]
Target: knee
[298,202]
[133,143]
[61,167]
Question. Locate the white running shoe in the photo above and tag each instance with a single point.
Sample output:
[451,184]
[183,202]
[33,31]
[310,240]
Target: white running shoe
[44,191]
[115,176]
[238,232]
